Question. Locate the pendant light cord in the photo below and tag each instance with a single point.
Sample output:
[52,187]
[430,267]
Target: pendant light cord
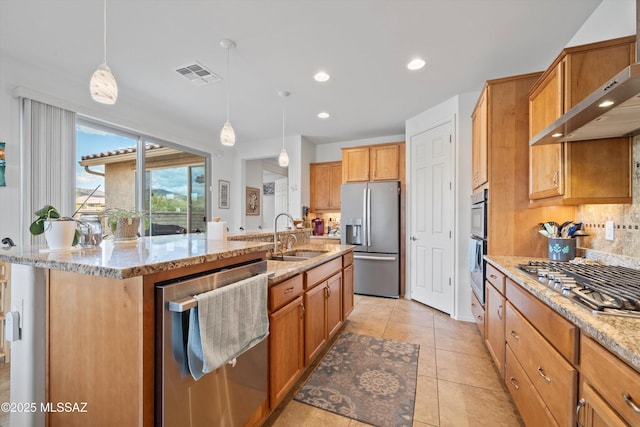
[104,40]
[228,84]
[283,123]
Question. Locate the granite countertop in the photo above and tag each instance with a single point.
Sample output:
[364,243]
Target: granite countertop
[284,269]
[142,256]
[620,335]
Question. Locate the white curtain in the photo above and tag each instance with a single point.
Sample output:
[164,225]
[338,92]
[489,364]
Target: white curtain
[48,162]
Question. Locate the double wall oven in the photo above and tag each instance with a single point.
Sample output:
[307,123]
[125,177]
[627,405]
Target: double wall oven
[478,243]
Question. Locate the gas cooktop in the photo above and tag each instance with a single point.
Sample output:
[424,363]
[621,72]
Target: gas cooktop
[604,289]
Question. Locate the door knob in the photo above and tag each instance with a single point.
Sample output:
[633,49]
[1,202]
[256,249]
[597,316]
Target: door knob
[413,238]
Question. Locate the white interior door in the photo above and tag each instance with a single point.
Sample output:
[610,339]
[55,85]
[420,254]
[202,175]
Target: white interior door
[282,202]
[432,218]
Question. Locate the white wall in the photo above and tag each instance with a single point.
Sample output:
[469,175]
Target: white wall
[459,108]
[610,20]
[333,152]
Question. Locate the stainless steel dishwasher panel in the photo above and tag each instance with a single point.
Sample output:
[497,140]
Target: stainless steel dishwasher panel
[225,397]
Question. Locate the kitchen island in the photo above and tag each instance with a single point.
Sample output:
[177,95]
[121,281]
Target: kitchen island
[88,329]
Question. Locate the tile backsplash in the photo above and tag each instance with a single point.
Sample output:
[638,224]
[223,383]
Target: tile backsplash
[626,219]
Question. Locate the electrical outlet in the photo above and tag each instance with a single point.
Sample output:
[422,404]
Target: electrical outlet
[608,230]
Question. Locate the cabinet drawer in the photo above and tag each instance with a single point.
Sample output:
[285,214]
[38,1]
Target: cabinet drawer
[496,278]
[612,378]
[478,313]
[347,259]
[561,333]
[284,292]
[320,273]
[551,375]
[531,406]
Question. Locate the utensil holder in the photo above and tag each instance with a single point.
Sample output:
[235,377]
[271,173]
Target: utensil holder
[562,249]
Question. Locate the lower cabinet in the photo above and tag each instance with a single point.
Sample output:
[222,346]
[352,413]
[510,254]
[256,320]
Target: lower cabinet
[594,410]
[286,337]
[611,389]
[552,377]
[531,406]
[494,317]
[323,314]
[286,349]
[478,313]
[347,291]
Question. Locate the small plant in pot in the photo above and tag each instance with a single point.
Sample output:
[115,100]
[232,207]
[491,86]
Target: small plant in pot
[59,232]
[124,223]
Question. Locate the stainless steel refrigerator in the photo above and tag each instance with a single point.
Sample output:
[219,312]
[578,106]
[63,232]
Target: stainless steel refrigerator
[370,219]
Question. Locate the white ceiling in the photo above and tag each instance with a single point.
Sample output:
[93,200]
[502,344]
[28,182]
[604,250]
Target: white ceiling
[363,44]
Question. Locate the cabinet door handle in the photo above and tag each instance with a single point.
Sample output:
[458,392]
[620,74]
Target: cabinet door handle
[514,383]
[581,404]
[288,290]
[500,312]
[493,276]
[302,312]
[556,175]
[480,318]
[514,335]
[629,401]
[542,375]
[328,291]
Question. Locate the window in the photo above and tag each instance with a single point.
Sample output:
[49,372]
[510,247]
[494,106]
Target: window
[174,181]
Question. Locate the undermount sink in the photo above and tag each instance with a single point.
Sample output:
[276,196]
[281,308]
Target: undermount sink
[298,255]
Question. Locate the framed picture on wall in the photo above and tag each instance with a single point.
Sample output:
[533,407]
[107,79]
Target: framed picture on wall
[223,194]
[253,201]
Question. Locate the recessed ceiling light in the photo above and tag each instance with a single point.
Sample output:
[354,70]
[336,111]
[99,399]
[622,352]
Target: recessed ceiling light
[416,64]
[323,115]
[605,104]
[321,76]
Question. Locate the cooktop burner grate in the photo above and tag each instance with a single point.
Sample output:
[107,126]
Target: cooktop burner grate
[604,289]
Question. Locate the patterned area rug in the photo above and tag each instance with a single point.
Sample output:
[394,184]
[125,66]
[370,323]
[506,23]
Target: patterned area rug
[369,379]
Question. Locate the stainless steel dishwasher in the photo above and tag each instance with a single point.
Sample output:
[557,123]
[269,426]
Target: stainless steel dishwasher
[225,397]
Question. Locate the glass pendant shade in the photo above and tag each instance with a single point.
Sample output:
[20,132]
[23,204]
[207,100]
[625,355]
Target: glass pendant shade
[103,86]
[227,135]
[283,158]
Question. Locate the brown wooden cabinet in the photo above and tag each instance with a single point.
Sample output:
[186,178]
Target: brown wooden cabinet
[325,179]
[322,315]
[286,349]
[334,304]
[347,285]
[612,395]
[382,162]
[286,337]
[494,316]
[479,141]
[597,171]
[501,141]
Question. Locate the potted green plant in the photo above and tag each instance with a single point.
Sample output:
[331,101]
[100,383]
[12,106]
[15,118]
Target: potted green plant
[59,232]
[124,223]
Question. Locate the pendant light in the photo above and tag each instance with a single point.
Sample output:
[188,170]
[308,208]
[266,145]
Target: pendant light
[283,158]
[103,85]
[227,135]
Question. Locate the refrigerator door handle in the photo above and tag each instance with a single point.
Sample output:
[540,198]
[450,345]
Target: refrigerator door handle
[375,258]
[364,217]
[368,216]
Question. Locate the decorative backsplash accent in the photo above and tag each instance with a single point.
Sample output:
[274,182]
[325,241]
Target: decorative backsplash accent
[626,219]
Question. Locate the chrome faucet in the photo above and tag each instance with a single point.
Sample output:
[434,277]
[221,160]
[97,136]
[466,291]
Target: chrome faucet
[275,230]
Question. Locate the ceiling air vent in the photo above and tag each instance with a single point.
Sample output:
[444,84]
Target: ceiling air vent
[198,75]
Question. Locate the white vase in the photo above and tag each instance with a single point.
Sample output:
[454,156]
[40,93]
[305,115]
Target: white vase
[59,234]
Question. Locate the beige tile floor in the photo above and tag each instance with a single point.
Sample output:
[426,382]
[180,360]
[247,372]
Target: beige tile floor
[457,382]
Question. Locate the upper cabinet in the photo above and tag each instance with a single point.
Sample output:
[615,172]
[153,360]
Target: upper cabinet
[479,167]
[595,171]
[383,162]
[326,179]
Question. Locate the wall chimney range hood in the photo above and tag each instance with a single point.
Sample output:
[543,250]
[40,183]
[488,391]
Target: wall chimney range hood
[613,110]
